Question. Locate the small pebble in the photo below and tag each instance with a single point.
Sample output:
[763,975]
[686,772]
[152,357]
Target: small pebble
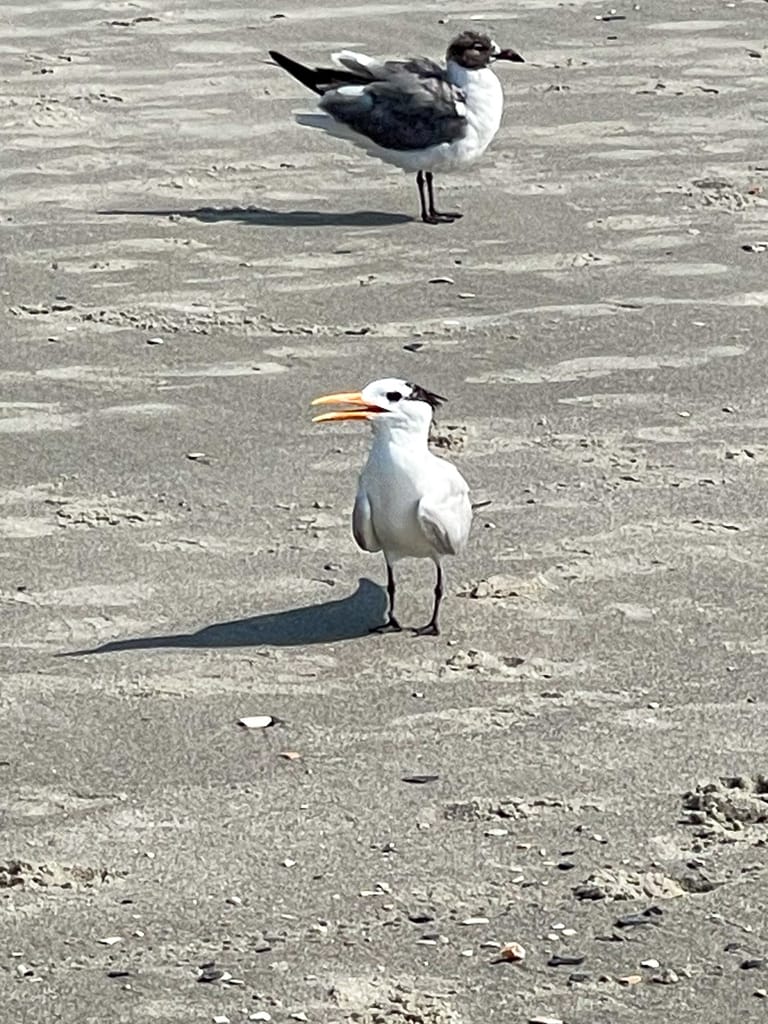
[420,917]
[566,960]
[111,940]
[753,963]
[475,920]
[210,973]
[667,977]
[260,1015]
[154,341]
[630,979]
[220,1019]
[651,964]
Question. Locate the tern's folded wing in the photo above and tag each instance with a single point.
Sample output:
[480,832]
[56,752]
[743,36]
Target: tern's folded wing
[446,518]
[362,524]
[409,105]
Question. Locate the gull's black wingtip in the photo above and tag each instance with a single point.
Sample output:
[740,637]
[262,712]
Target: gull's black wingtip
[312,78]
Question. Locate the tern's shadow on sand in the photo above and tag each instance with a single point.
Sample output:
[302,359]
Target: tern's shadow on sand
[346,619]
[260,215]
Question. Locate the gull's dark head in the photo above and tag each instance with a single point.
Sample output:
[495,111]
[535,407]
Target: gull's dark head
[475,50]
[389,401]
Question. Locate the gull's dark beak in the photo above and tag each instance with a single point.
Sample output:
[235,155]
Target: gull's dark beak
[511,55]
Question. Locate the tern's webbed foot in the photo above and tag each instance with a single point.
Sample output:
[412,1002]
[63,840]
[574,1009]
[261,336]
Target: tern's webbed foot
[429,630]
[393,626]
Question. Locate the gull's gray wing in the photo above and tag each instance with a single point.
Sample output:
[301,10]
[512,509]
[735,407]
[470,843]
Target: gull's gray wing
[362,524]
[407,104]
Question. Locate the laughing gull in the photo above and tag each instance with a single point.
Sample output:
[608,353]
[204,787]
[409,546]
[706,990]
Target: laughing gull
[415,113]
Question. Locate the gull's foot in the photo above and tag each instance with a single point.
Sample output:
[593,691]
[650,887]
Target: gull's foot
[393,626]
[435,217]
[429,630]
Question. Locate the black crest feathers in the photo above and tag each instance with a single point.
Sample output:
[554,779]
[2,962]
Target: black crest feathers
[420,394]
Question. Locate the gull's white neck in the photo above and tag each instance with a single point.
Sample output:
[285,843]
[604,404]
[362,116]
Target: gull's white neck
[477,79]
[483,101]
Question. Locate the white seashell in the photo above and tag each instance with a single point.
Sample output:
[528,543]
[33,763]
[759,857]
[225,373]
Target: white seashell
[256,722]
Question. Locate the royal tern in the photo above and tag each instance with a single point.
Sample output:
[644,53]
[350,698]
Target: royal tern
[416,114]
[410,503]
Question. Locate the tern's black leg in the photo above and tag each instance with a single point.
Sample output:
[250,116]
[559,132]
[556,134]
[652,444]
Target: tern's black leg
[435,215]
[391,625]
[431,628]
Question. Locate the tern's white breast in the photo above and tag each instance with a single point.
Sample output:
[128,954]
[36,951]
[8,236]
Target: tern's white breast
[395,478]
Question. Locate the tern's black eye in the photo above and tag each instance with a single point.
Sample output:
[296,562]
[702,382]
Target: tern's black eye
[393,396]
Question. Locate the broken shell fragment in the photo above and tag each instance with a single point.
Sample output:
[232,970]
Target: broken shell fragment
[513,953]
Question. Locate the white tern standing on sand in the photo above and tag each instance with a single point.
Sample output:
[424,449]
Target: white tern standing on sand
[416,114]
[410,503]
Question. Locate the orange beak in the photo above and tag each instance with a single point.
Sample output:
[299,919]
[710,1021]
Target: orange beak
[361,410]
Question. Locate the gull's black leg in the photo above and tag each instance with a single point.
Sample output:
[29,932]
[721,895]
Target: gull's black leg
[426,216]
[435,215]
[431,628]
[391,625]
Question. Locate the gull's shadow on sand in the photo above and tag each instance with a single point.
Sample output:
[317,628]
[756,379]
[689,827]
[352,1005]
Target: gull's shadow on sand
[346,619]
[260,215]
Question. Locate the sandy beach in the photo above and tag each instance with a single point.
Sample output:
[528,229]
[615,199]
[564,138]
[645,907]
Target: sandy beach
[578,763]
